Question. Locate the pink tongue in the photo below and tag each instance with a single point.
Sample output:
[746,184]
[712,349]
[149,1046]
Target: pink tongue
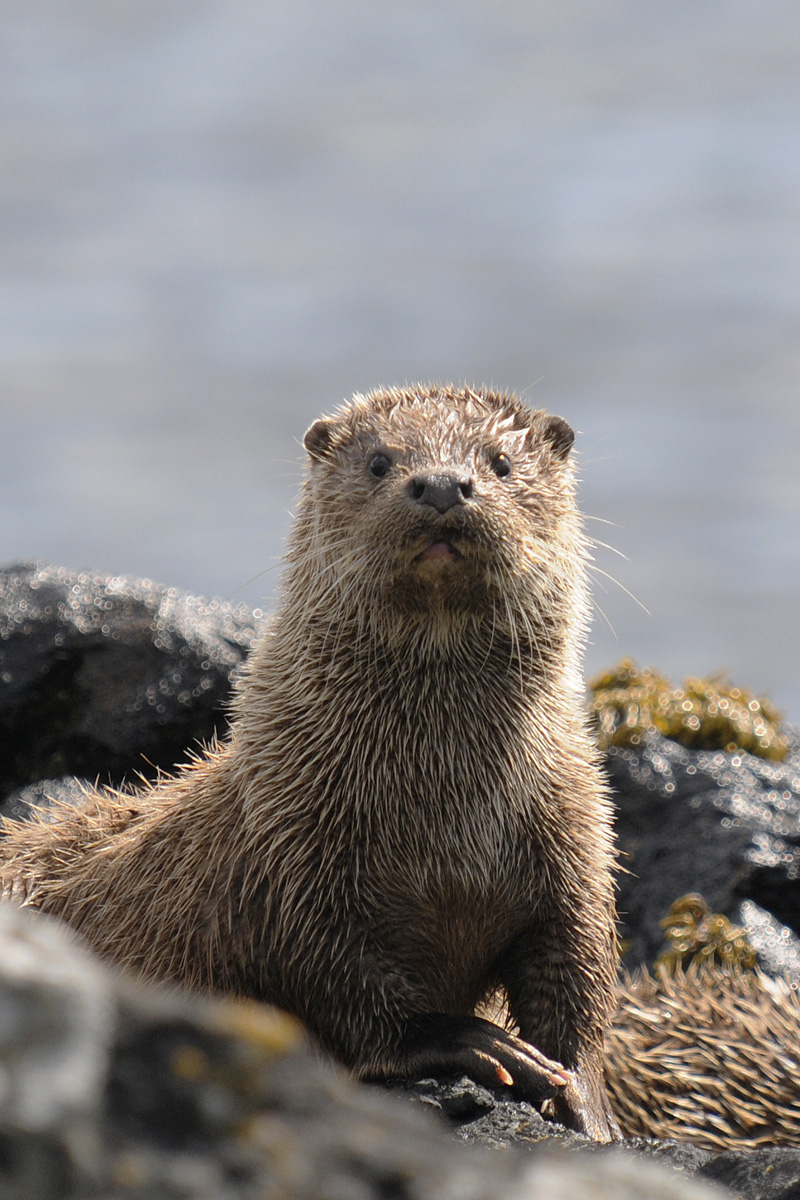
[438,550]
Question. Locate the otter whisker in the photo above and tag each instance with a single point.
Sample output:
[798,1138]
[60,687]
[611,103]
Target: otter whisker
[605,546]
[595,570]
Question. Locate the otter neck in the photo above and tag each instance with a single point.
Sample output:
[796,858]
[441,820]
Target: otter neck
[416,689]
[492,649]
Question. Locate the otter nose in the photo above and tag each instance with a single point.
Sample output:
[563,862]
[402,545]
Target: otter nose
[440,489]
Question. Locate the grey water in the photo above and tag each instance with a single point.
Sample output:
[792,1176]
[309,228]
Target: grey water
[218,218]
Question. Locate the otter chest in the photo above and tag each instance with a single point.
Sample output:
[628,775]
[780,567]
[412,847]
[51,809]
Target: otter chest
[453,903]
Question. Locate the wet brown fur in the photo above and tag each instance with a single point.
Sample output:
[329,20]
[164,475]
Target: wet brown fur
[408,812]
[710,1056]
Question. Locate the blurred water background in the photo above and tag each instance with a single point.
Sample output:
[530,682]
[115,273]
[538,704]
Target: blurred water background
[218,218]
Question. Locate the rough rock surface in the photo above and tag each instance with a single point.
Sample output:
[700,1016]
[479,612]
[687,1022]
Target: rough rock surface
[481,1118]
[109,1090]
[108,676]
[777,946]
[726,825]
[611,1176]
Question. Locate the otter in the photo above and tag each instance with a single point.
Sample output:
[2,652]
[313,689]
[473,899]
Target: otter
[408,813]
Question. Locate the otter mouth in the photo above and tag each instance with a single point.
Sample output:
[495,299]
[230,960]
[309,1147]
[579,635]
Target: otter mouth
[439,551]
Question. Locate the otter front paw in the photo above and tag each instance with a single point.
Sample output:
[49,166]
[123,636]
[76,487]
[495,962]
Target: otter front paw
[442,1045]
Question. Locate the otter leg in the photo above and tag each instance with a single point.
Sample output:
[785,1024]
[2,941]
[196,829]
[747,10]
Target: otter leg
[563,1008]
[583,1104]
[440,1044]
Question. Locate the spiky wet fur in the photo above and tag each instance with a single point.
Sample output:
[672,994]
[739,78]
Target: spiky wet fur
[408,812]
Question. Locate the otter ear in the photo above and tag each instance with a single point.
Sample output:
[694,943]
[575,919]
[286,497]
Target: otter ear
[559,434]
[318,440]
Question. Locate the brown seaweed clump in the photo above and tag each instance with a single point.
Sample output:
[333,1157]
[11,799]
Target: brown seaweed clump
[704,714]
[707,1049]
[696,935]
[707,1055]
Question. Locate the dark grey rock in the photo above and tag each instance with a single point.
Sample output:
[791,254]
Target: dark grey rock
[108,676]
[110,1090]
[481,1117]
[56,1029]
[772,1174]
[725,825]
[608,1175]
[777,946]
[680,1156]
[765,1174]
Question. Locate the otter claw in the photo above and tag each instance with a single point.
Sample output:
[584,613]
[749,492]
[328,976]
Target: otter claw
[444,1045]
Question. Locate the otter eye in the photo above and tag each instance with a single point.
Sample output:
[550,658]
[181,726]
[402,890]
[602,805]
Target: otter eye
[501,465]
[380,465]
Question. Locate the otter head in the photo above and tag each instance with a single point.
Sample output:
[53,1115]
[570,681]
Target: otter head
[439,498]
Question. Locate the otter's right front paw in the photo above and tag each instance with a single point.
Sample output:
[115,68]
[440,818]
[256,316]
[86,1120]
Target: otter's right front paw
[442,1045]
